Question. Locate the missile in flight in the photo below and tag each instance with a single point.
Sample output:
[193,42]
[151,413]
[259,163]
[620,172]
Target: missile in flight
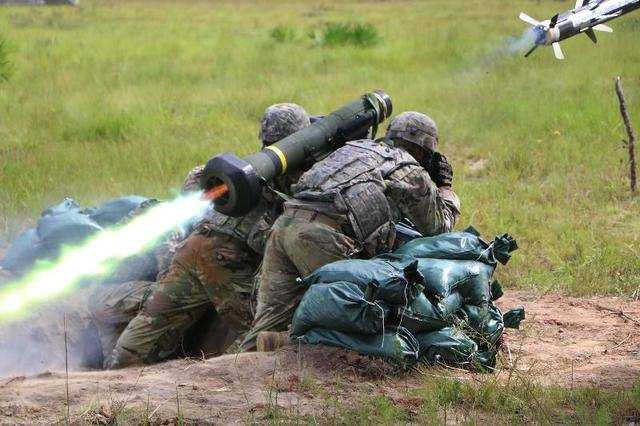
[586,17]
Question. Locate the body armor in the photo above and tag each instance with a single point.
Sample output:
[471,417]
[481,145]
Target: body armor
[253,228]
[352,179]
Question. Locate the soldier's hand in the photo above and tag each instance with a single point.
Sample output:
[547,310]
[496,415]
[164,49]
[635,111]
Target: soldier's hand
[440,170]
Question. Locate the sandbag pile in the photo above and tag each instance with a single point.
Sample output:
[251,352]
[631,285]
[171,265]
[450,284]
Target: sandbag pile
[429,301]
[64,224]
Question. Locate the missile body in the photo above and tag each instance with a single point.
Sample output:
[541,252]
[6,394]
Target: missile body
[236,184]
[587,16]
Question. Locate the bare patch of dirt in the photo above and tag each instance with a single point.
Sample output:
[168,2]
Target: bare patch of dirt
[571,341]
[564,340]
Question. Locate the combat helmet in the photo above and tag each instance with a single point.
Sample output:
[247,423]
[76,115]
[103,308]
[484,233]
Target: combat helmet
[192,181]
[282,120]
[416,128]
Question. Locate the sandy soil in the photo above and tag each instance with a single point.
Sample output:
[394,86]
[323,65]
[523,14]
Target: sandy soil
[568,340]
[564,340]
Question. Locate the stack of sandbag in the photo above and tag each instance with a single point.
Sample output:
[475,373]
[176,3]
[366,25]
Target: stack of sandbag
[64,224]
[431,300]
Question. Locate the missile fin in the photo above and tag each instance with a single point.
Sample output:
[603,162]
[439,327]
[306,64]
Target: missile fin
[557,50]
[604,28]
[591,35]
[528,19]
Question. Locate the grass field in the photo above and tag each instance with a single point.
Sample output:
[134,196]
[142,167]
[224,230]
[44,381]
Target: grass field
[439,401]
[445,401]
[120,97]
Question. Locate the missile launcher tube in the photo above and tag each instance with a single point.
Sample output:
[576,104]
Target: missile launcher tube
[244,178]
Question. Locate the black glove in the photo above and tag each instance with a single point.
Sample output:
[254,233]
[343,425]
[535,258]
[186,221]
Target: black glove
[440,170]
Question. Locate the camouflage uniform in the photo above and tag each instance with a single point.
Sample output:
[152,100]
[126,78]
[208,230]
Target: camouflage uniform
[414,128]
[346,204]
[212,270]
[114,306]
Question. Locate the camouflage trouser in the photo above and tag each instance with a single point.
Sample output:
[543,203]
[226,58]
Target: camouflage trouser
[115,306]
[300,242]
[207,268]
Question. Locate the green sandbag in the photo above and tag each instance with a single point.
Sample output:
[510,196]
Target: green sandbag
[451,346]
[422,315]
[447,345]
[477,290]
[396,344]
[442,277]
[113,211]
[340,306]
[64,224]
[400,292]
[486,323]
[394,277]
[465,245]
[513,317]
[496,290]
[67,228]
[357,271]
[23,253]
[65,206]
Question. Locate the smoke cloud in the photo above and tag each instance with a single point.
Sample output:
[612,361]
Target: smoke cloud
[478,66]
[98,255]
[36,323]
[511,46]
[517,45]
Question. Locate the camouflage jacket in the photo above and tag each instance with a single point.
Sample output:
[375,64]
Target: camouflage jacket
[373,186]
[251,228]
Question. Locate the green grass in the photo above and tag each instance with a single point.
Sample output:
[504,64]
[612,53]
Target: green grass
[5,65]
[284,33]
[443,400]
[113,98]
[339,34]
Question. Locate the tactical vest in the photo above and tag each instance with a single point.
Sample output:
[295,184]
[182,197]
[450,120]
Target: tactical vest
[251,228]
[353,180]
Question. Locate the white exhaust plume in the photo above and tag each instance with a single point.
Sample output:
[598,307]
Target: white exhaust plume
[520,44]
[97,255]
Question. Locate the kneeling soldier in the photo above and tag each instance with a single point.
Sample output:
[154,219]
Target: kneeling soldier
[215,265]
[347,205]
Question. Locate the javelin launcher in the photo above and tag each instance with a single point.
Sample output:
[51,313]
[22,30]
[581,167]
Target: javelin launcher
[234,184]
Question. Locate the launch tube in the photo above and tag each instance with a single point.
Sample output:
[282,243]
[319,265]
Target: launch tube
[238,182]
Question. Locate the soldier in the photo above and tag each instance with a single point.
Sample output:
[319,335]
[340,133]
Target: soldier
[215,264]
[346,205]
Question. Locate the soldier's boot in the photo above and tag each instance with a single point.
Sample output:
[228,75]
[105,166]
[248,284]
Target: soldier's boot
[268,341]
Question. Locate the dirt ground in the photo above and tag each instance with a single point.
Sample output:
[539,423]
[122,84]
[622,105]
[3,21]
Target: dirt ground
[564,340]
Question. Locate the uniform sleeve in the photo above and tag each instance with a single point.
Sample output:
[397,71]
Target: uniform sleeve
[433,210]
